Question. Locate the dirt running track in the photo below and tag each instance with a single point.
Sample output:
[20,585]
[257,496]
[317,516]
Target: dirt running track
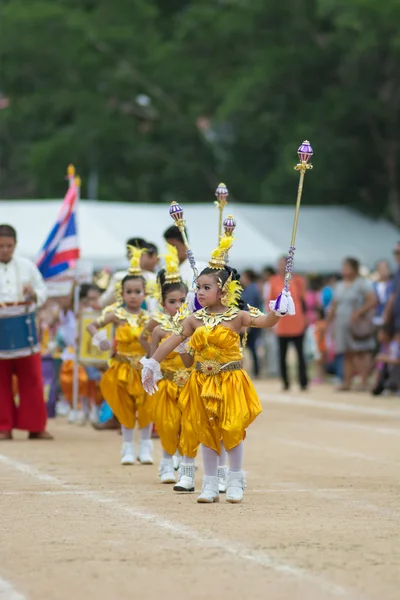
[321,517]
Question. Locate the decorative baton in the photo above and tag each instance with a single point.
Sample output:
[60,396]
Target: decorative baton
[304,152]
[221,194]
[176,212]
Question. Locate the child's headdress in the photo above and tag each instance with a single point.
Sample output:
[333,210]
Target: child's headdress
[219,256]
[172,274]
[134,261]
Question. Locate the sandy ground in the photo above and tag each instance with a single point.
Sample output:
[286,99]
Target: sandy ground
[320,520]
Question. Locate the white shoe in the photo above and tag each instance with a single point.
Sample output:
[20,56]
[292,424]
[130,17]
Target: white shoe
[222,479]
[128,454]
[63,408]
[167,473]
[186,479]
[209,492]
[94,415]
[72,416]
[177,459]
[236,485]
[81,417]
[144,455]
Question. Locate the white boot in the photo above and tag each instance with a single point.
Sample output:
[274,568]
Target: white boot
[80,418]
[167,473]
[186,478]
[72,416]
[236,485]
[145,452]
[222,479]
[209,491]
[94,415]
[128,454]
[177,459]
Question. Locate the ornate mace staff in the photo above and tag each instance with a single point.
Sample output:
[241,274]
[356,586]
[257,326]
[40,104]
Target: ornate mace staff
[304,152]
[221,194]
[176,212]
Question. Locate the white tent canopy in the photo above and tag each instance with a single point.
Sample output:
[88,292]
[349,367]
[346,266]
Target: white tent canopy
[325,235]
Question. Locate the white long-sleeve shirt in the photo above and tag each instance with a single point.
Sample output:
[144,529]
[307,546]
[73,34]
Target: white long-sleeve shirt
[17,273]
[186,271]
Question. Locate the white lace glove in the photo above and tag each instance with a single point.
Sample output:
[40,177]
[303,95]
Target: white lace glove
[283,305]
[151,373]
[101,341]
[183,347]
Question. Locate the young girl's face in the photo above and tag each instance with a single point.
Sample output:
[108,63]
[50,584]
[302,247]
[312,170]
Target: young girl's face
[208,290]
[133,293]
[173,301]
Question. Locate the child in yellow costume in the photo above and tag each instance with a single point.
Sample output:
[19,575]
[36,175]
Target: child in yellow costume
[219,400]
[162,407]
[120,385]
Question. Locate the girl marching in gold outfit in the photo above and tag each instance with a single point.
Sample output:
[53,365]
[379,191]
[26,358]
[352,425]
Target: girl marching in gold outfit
[219,400]
[120,385]
[162,407]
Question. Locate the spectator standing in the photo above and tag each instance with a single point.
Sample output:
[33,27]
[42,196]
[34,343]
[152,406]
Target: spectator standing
[391,314]
[383,288]
[350,313]
[251,296]
[291,329]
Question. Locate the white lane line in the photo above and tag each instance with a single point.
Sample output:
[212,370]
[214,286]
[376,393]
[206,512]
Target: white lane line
[8,592]
[337,494]
[322,404]
[336,451]
[48,493]
[360,427]
[237,550]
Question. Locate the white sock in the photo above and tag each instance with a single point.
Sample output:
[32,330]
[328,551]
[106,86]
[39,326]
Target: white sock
[85,405]
[210,461]
[222,456]
[145,433]
[165,454]
[127,434]
[236,458]
[187,461]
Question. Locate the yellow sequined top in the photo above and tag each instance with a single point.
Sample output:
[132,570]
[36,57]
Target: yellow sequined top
[220,344]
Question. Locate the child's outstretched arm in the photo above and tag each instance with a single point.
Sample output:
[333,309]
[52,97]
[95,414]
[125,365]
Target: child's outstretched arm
[151,372]
[260,320]
[146,334]
[100,337]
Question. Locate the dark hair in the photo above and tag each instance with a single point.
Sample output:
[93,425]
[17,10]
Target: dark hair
[86,288]
[8,231]
[130,278]
[387,328]
[223,275]
[166,287]
[137,243]
[150,248]
[353,263]
[173,233]
[252,275]
[269,270]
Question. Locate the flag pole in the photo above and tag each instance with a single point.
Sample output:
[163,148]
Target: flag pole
[75,382]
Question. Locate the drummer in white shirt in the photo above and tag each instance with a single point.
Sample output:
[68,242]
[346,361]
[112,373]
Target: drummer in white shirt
[20,281]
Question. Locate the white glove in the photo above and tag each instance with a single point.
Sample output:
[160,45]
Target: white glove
[151,373]
[183,347]
[100,340]
[283,305]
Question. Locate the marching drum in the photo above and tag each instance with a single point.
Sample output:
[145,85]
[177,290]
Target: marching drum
[18,334]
